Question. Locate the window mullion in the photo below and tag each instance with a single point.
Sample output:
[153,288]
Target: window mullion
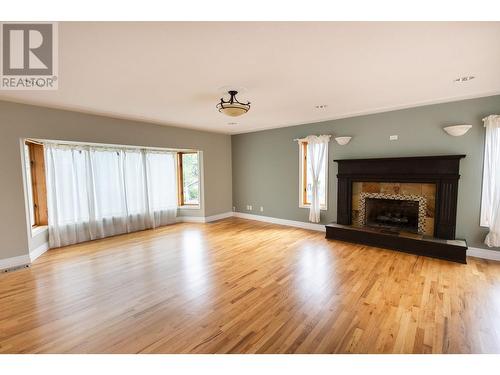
[180,180]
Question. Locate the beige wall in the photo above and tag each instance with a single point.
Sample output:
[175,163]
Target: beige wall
[19,121]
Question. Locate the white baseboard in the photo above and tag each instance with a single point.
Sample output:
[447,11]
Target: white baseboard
[22,260]
[190,219]
[275,220]
[483,253]
[208,219]
[39,251]
[203,219]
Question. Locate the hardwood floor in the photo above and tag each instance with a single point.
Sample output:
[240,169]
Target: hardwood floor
[240,286]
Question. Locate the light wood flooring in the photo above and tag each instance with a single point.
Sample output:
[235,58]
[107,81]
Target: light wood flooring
[241,286]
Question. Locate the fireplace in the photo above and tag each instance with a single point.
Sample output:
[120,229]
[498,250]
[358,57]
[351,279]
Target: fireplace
[432,177]
[407,204]
[392,214]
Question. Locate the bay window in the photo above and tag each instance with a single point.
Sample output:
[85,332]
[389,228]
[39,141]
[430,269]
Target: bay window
[85,192]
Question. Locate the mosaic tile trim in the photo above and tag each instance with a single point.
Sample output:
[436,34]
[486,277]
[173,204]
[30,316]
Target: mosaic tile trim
[422,206]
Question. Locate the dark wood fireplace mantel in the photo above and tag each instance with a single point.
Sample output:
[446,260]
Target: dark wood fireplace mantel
[440,170]
[443,171]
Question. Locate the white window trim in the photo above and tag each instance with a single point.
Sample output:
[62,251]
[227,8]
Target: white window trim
[35,231]
[301,179]
[190,207]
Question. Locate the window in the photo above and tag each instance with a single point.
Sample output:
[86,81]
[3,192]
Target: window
[188,178]
[94,191]
[306,179]
[37,191]
[100,191]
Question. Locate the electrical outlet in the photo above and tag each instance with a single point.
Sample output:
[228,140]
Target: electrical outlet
[393,138]
[250,208]
[261,209]
[234,209]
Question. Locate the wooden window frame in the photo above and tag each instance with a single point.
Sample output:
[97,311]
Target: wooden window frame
[180,181]
[304,174]
[38,183]
[303,203]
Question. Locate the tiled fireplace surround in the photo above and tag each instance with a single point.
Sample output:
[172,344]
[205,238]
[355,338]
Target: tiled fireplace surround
[425,193]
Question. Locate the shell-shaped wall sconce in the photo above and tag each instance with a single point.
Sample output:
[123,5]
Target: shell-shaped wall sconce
[343,140]
[457,130]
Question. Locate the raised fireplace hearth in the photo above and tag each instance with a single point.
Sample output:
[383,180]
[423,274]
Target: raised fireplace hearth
[414,198]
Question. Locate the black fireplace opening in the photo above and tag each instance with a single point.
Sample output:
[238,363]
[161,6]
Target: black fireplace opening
[392,214]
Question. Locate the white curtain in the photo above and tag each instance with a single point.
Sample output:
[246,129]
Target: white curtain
[95,192]
[317,152]
[490,203]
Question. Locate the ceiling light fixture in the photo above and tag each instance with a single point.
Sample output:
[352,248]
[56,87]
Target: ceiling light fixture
[233,107]
[464,79]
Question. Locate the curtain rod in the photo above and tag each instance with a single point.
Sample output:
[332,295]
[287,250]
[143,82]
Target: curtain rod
[107,145]
[494,116]
[303,139]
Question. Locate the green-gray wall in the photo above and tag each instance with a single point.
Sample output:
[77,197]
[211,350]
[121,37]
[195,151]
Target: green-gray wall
[266,163]
[19,121]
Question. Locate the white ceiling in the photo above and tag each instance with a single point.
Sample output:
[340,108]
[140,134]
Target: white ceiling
[170,72]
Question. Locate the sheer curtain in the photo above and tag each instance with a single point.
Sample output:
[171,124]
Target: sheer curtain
[96,192]
[490,201]
[317,152]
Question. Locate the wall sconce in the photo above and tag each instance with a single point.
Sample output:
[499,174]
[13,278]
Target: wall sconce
[343,140]
[457,130]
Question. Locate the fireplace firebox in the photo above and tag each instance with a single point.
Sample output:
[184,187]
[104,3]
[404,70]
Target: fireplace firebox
[392,214]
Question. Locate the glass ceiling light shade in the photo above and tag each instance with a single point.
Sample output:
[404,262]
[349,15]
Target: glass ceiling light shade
[233,107]
[457,130]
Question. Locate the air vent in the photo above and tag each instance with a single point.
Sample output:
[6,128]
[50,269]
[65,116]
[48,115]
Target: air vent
[15,268]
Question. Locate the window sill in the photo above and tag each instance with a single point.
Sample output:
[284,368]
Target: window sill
[35,231]
[322,208]
[189,207]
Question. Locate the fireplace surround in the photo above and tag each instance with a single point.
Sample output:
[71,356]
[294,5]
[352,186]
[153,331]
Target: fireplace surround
[393,212]
[432,181]
[422,196]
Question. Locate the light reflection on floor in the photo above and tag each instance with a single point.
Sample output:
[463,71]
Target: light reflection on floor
[195,267]
[315,278]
